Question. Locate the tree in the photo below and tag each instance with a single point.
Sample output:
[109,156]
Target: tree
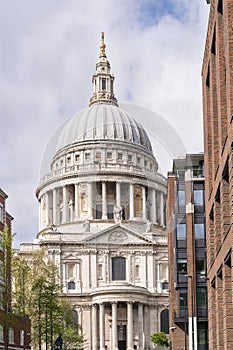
[7,319]
[160,339]
[72,339]
[38,294]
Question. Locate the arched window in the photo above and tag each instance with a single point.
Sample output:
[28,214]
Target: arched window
[164,321]
[71,285]
[75,315]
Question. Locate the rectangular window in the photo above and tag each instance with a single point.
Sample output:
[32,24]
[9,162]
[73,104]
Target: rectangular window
[21,340]
[109,155]
[87,156]
[183,302]
[201,302]
[199,231]
[98,155]
[1,334]
[181,232]
[138,160]
[98,213]
[77,157]
[202,333]
[198,197]
[200,265]
[11,336]
[110,213]
[103,84]
[119,156]
[182,266]
[1,212]
[181,201]
[130,157]
[118,269]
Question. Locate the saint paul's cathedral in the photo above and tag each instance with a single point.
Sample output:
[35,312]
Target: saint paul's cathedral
[102,219]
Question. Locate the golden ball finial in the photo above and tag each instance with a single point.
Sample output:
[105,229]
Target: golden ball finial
[102,46]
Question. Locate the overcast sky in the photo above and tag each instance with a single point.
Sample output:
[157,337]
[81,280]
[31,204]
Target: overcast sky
[48,52]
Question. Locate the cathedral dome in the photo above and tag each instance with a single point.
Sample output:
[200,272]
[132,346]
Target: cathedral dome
[102,122]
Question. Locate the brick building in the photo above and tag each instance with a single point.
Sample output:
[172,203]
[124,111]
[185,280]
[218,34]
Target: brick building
[217,82]
[14,330]
[186,254]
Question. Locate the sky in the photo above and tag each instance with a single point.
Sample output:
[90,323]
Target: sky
[48,52]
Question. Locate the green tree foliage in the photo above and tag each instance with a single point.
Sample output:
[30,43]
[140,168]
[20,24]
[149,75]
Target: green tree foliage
[73,339]
[7,318]
[37,294]
[160,339]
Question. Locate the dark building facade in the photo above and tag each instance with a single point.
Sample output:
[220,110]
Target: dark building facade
[187,254]
[217,84]
[14,330]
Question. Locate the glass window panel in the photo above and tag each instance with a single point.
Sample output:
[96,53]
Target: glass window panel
[1,334]
[103,84]
[181,232]
[181,198]
[198,197]
[202,334]
[182,265]
[21,338]
[164,321]
[199,231]
[71,285]
[201,298]
[200,265]
[98,211]
[11,336]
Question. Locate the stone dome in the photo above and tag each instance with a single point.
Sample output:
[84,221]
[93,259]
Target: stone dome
[102,122]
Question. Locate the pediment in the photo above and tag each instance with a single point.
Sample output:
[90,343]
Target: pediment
[117,235]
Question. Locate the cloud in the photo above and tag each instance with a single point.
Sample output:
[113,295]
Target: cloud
[47,58]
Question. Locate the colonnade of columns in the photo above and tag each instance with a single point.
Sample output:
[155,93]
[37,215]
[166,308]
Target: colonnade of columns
[98,327]
[60,208]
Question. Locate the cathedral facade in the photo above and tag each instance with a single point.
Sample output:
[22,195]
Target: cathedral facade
[102,219]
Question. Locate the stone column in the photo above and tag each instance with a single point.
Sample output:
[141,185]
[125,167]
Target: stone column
[140,326]
[129,325]
[131,201]
[118,195]
[89,201]
[146,332]
[64,199]
[114,326]
[143,203]
[161,209]
[40,213]
[104,201]
[153,212]
[94,327]
[47,208]
[54,206]
[102,327]
[76,207]
[159,286]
